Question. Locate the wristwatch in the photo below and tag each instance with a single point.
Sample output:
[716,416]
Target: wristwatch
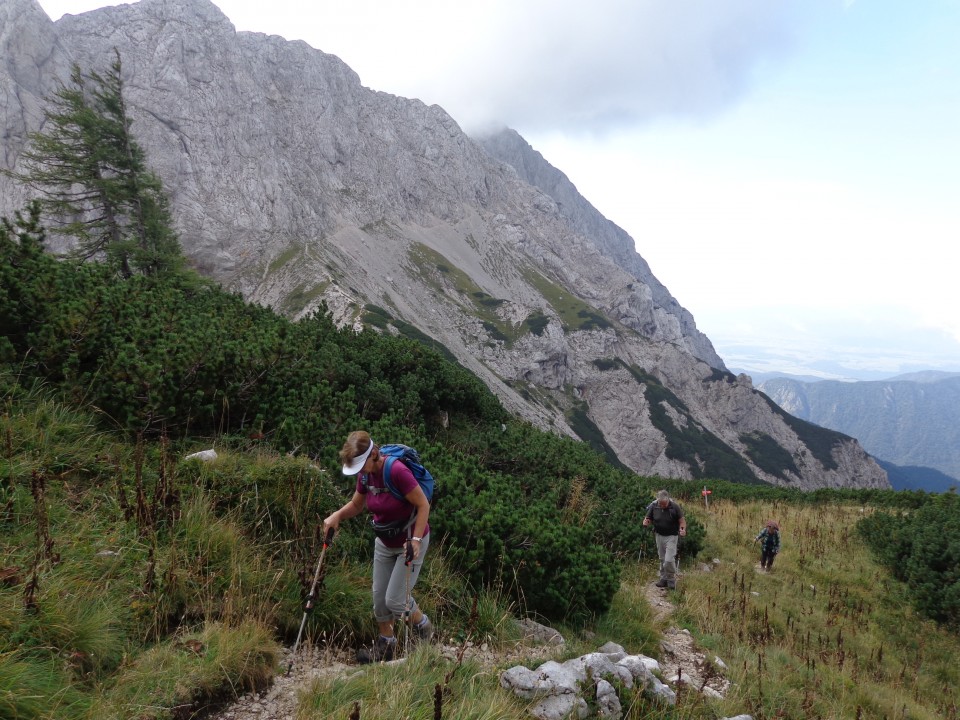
[417,539]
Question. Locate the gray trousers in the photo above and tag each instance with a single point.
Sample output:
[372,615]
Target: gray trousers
[392,580]
[667,550]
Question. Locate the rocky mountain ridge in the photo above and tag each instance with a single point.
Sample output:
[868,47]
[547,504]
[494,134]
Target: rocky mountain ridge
[295,185]
[911,420]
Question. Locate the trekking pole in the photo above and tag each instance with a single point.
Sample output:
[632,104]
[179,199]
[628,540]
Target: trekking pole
[311,596]
[408,561]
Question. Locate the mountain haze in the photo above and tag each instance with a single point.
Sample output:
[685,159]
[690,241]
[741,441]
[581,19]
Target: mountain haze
[910,420]
[299,188]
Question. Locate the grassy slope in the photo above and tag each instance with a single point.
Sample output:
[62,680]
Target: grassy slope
[826,635]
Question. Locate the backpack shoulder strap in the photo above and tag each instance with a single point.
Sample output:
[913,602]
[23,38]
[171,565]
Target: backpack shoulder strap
[388,462]
[365,481]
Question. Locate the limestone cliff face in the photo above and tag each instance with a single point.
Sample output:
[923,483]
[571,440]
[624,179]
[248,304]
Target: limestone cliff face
[660,316]
[295,185]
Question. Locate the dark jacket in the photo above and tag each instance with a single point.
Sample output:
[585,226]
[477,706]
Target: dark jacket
[666,521]
[770,541]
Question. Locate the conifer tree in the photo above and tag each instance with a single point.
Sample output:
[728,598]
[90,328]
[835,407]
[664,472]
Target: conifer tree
[94,178]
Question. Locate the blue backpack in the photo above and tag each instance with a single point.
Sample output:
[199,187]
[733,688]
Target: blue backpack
[411,458]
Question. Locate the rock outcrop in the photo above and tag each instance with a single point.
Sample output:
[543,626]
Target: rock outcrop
[293,184]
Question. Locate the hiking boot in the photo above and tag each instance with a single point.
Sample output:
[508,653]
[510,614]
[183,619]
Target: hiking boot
[423,632]
[661,583]
[381,651]
[671,586]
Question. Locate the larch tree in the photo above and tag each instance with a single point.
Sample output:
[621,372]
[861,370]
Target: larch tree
[94,180]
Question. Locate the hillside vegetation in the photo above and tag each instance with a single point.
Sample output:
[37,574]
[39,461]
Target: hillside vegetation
[909,421]
[137,586]
[136,583]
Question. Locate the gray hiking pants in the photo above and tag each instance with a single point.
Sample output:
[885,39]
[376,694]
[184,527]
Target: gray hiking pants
[667,550]
[392,580]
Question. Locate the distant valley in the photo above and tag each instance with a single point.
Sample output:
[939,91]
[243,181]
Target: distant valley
[910,423]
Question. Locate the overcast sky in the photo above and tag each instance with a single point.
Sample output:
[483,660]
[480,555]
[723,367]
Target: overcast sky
[790,170]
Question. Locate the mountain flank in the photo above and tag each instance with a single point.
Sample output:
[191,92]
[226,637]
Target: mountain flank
[911,420]
[297,187]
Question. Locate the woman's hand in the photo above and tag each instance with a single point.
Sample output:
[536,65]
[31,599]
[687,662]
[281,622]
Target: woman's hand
[332,521]
[352,508]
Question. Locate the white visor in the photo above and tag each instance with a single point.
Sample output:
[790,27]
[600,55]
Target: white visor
[356,465]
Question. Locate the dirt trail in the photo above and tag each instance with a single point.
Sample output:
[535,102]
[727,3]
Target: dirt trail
[279,701]
[682,663]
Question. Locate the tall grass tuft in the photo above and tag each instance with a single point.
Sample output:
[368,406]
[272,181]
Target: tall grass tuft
[36,689]
[629,622]
[408,690]
[87,631]
[208,569]
[181,676]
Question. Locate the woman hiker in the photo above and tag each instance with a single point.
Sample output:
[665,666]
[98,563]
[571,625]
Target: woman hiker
[769,539]
[396,523]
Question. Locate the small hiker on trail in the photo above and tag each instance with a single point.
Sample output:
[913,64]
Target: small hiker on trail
[669,525]
[402,532]
[769,539]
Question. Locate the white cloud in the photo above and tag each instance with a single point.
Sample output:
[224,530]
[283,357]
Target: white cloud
[587,67]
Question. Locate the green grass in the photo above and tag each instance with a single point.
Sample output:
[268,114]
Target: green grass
[136,619]
[32,687]
[413,690]
[214,663]
[768,455]
[573,312]
[301,296]
[827,633]
[283,258]
[445,278]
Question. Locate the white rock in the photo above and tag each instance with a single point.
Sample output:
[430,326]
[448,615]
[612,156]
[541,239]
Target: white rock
[203,455]
[608,704]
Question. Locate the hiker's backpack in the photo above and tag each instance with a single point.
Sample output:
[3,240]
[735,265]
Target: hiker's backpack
[411,458]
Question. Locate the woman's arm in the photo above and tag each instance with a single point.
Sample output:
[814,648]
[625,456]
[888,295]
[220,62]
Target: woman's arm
[353,507]
[419,501]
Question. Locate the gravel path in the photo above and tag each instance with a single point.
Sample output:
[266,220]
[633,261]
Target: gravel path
[279,701]
[683,663]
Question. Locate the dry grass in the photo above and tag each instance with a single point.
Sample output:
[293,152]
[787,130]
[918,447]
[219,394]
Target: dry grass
[826,633]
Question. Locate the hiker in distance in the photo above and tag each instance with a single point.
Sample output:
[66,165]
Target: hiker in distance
[402,531]
[769,539]
[669,525]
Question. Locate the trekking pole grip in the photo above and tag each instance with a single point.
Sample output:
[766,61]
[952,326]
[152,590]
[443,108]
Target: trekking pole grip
[329,537]
[409,553]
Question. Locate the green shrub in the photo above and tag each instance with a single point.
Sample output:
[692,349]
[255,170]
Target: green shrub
[922,549]
[768,455]
[536,323]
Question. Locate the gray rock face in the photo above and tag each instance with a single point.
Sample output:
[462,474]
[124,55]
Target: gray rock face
[660,314]
[293,184]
